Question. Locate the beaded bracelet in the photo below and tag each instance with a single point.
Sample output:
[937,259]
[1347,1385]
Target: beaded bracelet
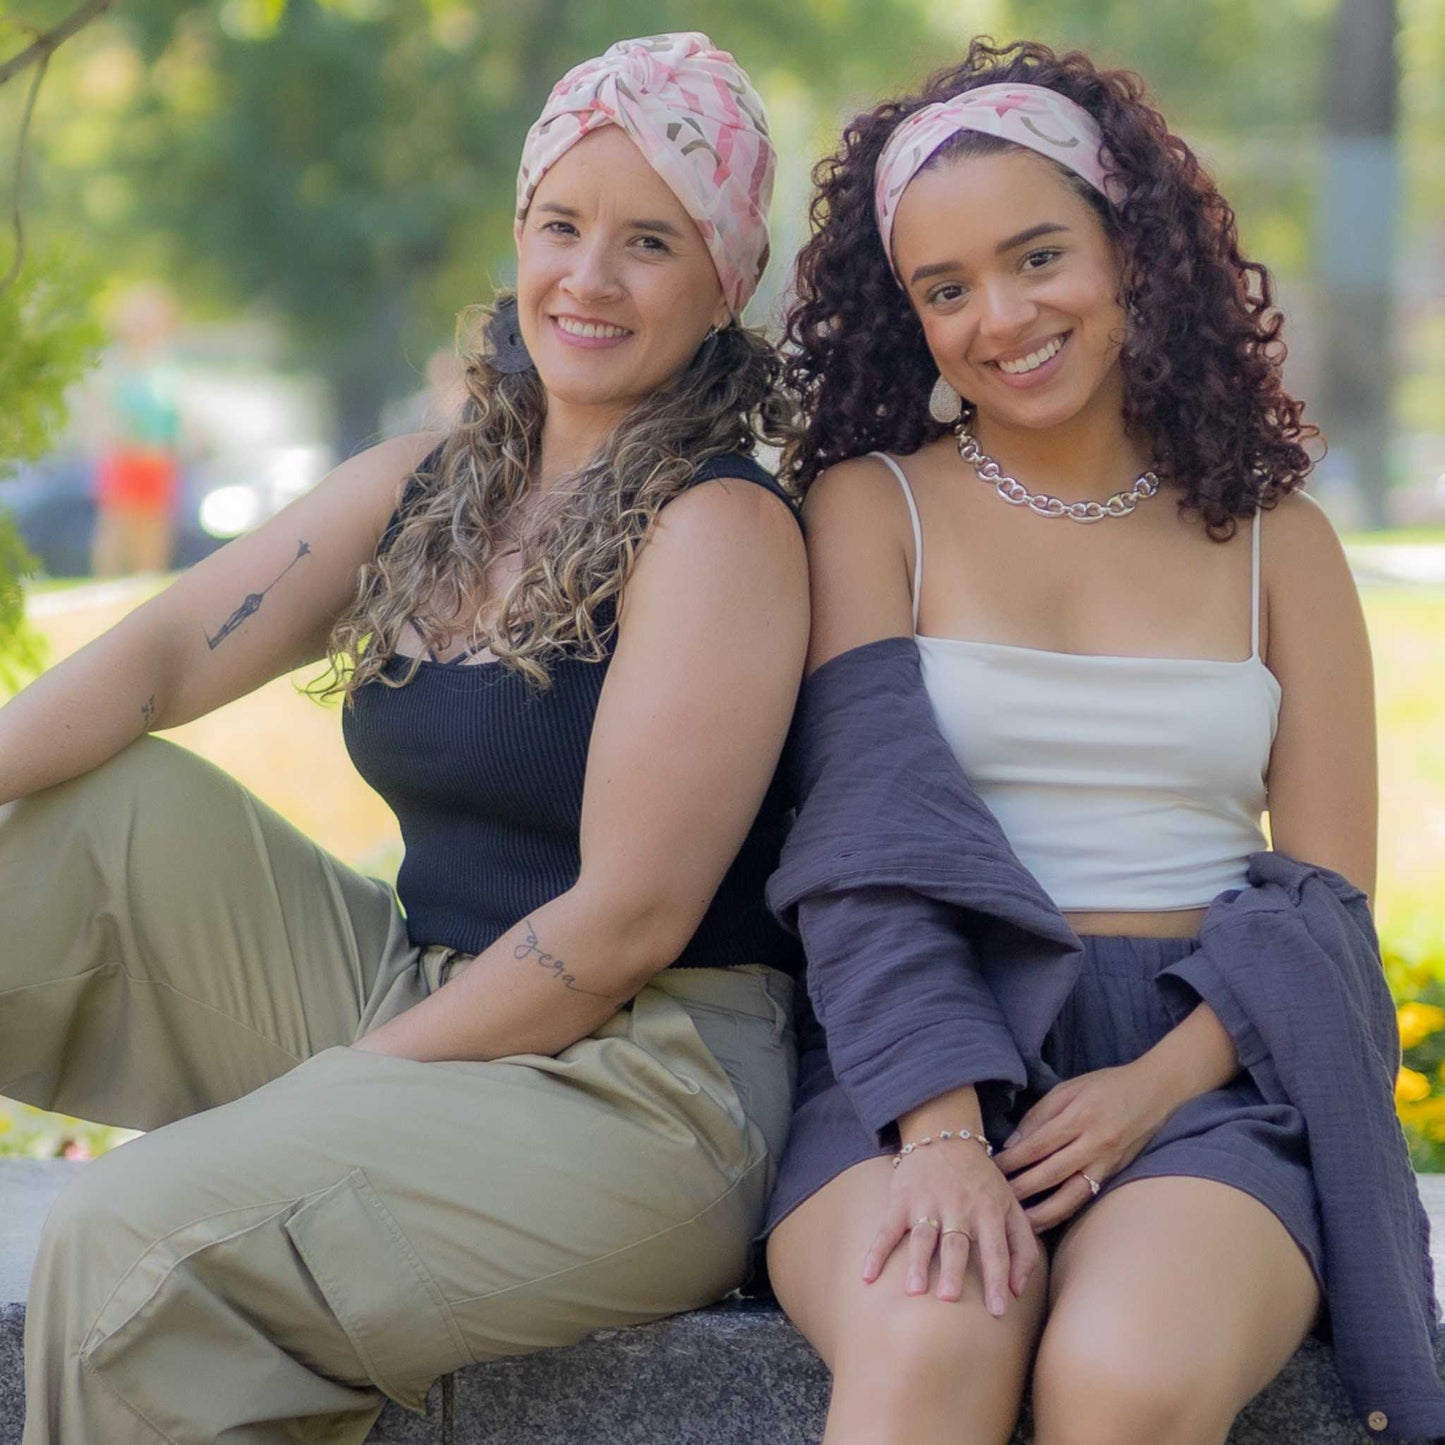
[907,1149]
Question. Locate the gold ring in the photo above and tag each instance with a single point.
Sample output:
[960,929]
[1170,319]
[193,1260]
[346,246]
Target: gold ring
[1091,1182]
[930,1223]
[963,1232]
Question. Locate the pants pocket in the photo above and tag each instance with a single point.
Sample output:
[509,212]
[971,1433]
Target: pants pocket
[377,1286]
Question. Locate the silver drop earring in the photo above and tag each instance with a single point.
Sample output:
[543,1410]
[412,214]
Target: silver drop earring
[945,405]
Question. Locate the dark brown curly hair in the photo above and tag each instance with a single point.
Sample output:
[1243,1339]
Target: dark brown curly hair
[1202,357]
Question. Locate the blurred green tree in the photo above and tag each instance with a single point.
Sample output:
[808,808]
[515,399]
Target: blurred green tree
[47,336]
[349,164]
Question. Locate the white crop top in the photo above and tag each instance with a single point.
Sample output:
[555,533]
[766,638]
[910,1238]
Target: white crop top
[1122,783]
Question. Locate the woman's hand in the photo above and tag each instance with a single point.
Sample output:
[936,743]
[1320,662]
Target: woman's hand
[1087,1128]
[1091,1126]
[948,1199]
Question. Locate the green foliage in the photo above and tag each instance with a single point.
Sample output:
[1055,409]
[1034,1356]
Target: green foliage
[1240,80]
[349,165]
[48,339]
[22,650]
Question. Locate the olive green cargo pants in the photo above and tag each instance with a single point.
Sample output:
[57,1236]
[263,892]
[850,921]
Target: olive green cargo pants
[311,1227]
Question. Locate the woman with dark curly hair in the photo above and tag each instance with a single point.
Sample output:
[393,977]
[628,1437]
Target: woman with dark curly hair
[543,1090]
[1024,289]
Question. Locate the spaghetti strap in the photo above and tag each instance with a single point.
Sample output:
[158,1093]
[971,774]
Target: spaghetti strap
[1254,592]
[917,529]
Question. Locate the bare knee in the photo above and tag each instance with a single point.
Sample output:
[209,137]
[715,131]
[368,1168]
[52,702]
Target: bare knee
[919,1345]
[918,1370]
[1091,1389]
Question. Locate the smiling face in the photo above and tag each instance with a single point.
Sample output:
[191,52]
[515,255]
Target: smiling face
[1017,285]
[615,288]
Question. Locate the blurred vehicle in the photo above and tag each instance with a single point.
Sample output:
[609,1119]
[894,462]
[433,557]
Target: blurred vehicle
[252,451]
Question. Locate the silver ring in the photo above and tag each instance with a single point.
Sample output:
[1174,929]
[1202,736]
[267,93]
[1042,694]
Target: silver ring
[931,1223]
[1091,1182]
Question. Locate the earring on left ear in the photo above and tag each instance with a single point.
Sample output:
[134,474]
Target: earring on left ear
[945,405]
[506,351]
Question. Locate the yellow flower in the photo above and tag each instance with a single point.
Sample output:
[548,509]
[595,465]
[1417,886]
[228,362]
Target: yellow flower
[1418,1021]
[1411,1087]
[1426,1117]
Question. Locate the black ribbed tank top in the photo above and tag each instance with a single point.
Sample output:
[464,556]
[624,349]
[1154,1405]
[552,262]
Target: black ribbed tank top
[485,773]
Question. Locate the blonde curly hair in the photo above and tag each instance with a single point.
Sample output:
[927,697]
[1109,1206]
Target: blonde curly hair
[576,554]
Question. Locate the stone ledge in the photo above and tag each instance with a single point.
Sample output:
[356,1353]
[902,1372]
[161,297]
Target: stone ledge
[731,1375]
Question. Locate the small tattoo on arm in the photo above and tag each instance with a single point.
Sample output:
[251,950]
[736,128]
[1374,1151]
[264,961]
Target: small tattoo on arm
[148,712]
[532,949]
[251,604]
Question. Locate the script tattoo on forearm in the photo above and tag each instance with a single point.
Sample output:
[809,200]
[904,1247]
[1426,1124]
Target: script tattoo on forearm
[148,712]
[251,604]
[534,950]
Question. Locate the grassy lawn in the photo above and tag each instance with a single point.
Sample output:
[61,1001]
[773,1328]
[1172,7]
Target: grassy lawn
[288,749]
[1407,629]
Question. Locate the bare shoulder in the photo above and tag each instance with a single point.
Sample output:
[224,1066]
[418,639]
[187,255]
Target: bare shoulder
[1304,574]
[728,520]
[1298,537]
[1309,591]
[722,551]
[859,556]
[1298,526]
[857,498]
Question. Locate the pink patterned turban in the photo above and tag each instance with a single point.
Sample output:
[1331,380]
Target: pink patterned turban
[1028,115]
[693,113]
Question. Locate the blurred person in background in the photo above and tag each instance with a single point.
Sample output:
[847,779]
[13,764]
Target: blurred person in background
[137,462]
[1061,989]
[546,1091]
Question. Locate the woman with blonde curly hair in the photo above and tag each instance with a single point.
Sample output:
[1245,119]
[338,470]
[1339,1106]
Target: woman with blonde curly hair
[548,1095]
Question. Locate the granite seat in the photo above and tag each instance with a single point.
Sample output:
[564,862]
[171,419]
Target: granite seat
[731,1375]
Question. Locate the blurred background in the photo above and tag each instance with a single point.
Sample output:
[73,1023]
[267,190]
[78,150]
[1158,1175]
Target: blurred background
[238,235]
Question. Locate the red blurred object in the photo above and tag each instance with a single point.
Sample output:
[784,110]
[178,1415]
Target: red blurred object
[137,479]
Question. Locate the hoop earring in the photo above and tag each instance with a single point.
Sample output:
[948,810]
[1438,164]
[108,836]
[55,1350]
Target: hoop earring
[945,405]
[506,351]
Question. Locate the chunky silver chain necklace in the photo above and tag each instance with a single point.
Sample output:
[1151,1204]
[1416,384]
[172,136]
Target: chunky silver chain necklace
[1013,491]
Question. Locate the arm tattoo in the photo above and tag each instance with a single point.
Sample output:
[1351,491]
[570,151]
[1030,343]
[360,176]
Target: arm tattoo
[148,712]
[532,949]
[252,602]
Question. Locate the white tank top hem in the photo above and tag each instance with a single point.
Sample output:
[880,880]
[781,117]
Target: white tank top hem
[1124,784]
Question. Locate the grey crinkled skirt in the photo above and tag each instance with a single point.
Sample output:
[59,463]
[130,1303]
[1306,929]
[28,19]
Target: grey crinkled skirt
[1119,1009]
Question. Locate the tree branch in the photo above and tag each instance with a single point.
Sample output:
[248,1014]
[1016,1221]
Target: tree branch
[38,54]
[44,46]
[17,223]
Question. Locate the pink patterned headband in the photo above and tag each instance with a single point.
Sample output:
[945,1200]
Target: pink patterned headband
[692,112]
[1028,115]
